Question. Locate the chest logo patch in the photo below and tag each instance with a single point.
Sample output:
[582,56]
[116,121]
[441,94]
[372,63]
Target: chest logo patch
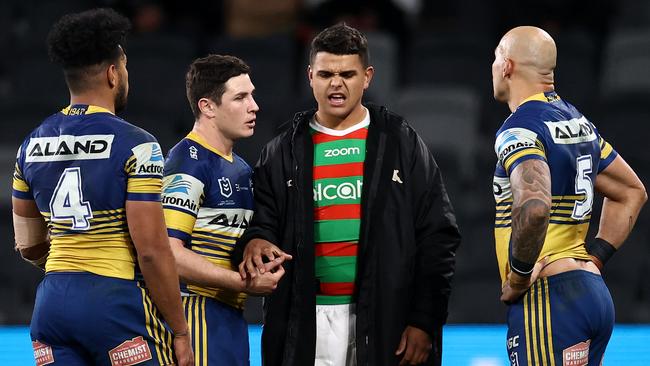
[225,187]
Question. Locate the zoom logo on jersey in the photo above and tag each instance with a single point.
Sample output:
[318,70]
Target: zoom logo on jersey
[343,191]
[513,139]
[149,159]
[573,131]
[343,151]
[68,147]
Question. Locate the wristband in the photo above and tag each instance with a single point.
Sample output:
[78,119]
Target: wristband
[600,250]
[521,268]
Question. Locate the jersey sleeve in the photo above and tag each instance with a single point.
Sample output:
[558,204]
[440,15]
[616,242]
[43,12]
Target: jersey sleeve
[607,154]
[517,142]
[183,192]
[144,169]
[20,187]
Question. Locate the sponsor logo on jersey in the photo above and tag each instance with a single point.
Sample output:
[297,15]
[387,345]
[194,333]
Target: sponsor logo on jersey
[68,147]
[239,221]
[344,191]
[182,191]
[130,352]
[573,131]
[194,152]
[576,355]
[178,185]
[149,159]
[512,140]
[343,151]
[42,353]
[225,187]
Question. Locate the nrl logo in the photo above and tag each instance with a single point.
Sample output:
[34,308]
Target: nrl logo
[225,187]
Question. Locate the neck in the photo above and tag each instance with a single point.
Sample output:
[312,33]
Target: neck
[213,136]
[520,91]
[97,99]
[336,123]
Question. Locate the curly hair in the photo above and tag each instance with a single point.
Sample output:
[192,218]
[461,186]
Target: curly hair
[207,78]
[87,38]
[341,39]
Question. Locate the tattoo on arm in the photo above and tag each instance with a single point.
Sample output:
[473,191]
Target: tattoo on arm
[531,189]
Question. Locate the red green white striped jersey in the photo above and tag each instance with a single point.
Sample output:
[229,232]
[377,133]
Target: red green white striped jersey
[338,179]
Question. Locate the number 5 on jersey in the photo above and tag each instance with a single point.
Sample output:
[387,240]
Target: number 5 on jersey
[68,203]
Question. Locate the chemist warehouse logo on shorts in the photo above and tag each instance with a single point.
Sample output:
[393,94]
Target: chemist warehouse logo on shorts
[130,352]
[342,191]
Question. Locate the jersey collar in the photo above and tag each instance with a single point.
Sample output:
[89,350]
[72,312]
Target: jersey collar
[199,140]
[81,109]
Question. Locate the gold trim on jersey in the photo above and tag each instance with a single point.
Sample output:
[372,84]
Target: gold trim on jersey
[162,337]
[144,185]
[201,141]
[90,110]
[19,182]
[605,149]
[178,220]
[540,97]
[523,152]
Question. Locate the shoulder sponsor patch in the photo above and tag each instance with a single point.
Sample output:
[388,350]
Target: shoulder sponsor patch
[576,355]
[130,352]
[68,147]
[573,131]
[182,191]
[42,353]
[149,159]
[501,188]
[512,140]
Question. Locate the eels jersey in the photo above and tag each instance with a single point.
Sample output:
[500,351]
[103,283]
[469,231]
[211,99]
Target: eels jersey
[208,203]
[547,128]
[80,166]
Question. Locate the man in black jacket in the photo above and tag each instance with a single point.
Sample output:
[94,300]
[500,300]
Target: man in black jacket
[354,198]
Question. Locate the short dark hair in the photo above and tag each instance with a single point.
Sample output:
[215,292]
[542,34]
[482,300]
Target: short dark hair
[341,39]
[207,77]
[81,40]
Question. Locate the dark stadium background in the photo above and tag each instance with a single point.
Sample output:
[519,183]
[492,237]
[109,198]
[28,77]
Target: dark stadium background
[432,65]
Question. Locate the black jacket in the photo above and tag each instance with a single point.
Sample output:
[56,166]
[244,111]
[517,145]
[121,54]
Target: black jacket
[407,244]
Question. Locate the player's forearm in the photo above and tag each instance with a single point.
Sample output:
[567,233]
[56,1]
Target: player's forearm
[529,224]
[195,270]
[160,275]
[617,218]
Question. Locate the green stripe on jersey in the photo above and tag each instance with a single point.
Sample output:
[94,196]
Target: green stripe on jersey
[336,269]
[333,300]
[336,191]
[340,152]
[330,231]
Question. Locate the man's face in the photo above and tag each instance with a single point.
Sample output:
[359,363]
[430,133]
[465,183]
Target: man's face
[499,85]
[122,92]
[338,83]
[235,117]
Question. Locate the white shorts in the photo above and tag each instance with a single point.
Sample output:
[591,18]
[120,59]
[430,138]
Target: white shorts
[335,335]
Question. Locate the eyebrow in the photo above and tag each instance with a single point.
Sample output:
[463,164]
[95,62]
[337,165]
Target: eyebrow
[345,73]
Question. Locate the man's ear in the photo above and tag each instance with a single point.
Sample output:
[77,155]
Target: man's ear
[112,76]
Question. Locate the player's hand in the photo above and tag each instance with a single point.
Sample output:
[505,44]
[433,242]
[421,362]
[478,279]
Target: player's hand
[183,350]
[517,285]
[253,262]
[265,283]
[416,345]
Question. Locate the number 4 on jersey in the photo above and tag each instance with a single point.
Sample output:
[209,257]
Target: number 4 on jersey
[68,203]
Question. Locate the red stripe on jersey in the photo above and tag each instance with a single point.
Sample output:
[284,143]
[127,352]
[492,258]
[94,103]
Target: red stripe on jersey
[337,212]
[337,288]
[338,170]
[320,137]
[342,249]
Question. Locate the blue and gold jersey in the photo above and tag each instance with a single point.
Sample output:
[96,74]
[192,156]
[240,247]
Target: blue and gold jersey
[547,128]
[80,166]
[208,202]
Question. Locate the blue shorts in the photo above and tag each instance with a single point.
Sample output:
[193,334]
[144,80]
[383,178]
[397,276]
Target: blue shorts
[563,320]
[82,318]
[219,332]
